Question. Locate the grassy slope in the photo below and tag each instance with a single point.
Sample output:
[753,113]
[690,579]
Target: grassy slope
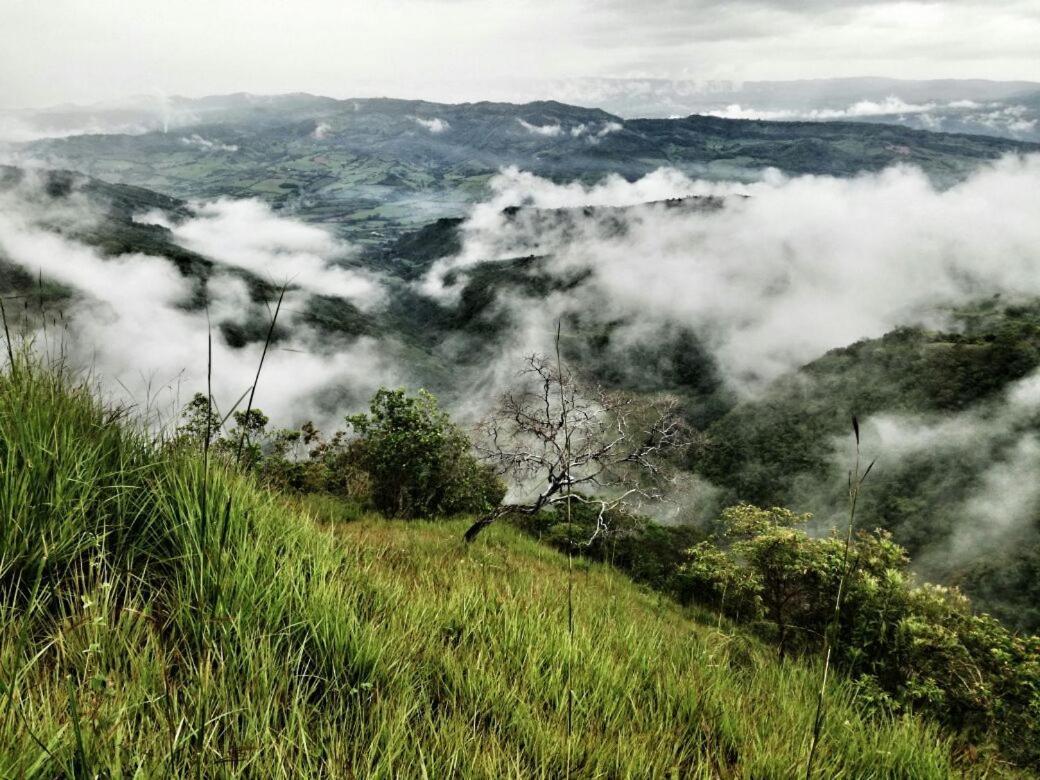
[141,637]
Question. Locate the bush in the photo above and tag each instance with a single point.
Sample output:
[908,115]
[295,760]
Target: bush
[419,462]
[646,551]
[910,647]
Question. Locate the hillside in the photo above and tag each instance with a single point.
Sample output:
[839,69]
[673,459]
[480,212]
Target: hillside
[944,411]
[373,167]
[162,618]
[776,448]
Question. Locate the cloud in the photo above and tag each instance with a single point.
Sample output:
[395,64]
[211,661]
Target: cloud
[63,52]
[590,131]
[1013,119]
[433,125]
[760,277]
[999,437]
[210,146]
[247,234]
[550,130]
[131,323]
[859,109]
[23,127]
[321,131]
[592,134]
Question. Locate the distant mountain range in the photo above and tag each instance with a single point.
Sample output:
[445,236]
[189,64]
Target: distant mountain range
[1003,108]
[375,167]
[1009,109]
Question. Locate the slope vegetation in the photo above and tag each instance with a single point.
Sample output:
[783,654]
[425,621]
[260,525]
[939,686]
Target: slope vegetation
[165,617]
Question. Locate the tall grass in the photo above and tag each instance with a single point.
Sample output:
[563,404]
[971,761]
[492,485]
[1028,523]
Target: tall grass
[856,480]
[359,649]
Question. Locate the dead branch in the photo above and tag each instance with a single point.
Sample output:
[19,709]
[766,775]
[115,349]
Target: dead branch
[597,447]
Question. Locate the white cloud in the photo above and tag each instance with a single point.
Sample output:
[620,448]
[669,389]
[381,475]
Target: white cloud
[1013,119]
[433,125]
[773,280]
[592,134]
[1005,500]
[129,321]
[550,131]
[210,146]
[321,131]
[247,234]
[863,108]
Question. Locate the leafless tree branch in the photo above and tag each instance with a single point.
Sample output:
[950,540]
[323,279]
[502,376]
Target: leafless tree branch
[597,447]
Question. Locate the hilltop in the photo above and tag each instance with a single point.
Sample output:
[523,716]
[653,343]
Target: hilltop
[374,167]
[165,616]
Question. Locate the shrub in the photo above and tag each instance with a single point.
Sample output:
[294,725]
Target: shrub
[648,552]
[910,647]
[419,462]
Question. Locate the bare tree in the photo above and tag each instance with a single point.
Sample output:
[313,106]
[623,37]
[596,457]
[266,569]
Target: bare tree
[576,443]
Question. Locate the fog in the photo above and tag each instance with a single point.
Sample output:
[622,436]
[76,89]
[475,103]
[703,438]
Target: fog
[131,324]
[769,274]
[775,279]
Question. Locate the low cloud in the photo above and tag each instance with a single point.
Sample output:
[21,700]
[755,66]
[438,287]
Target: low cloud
[204,143]
[433,125]
[247,234]
[1000,438]
[131,322]
[550,131]
[758,277]
[992,118]
[594,133]
[863,108]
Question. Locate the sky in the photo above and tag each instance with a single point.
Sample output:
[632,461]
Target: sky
[81,51]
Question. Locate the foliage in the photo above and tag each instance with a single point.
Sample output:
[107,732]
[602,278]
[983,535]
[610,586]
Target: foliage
[162,641]
[922,648]
[778,449]
[299,460]
[419,461]
[407,458]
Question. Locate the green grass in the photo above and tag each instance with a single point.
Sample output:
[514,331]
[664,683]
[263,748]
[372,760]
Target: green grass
[277,638]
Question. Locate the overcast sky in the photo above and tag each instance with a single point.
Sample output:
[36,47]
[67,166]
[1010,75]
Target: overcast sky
[54,51]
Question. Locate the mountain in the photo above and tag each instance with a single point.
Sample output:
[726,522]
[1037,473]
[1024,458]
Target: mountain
[1001,108]
[292,638]
[776,448]
[375,167]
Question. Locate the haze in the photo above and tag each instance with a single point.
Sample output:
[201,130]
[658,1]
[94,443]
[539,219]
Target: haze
[454,50]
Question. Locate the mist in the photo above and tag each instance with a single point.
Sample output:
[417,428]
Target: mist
[772,280]
[132,324]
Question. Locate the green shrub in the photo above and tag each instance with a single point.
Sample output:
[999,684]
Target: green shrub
[646,551]
[910,647]
[419,462]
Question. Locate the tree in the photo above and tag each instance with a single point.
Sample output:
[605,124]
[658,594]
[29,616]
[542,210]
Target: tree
[201,423]
[568,442]
[419,462]
[792,572]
